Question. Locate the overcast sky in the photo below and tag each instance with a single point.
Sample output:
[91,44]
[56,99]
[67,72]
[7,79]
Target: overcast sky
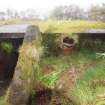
[45,5]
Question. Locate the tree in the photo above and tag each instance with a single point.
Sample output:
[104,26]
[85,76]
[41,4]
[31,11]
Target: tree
[2,15]
[31,14]
[9,13]
[97,12]
[58,13]
[102,12]
[74,12]
[12,13]
[67,12]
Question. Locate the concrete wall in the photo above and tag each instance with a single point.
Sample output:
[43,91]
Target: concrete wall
[95,42]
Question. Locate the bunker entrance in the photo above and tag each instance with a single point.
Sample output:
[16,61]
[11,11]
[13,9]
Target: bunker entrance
[11,38]
[8,58]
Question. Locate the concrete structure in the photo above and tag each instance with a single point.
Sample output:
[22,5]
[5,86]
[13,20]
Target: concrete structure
[11,38]
[92,33]
[93,39]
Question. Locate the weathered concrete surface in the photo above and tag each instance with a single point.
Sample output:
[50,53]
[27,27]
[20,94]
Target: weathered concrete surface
[14,28]
[17,93]
[32,33]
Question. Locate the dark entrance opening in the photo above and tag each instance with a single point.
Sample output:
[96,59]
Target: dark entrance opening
[9,47]
[68,40]
[93,42]
[92,39]
[8,60]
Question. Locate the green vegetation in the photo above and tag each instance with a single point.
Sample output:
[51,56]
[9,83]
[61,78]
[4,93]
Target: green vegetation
[3,101]
[50,44]
[50,79]
[54,26]
[90,65]
[7,47]
[86,91]
[77,58]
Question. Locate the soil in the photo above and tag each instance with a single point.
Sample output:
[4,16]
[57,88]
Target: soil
[42,97]
[67,78]
[46,69]
[66,83]
[45,96]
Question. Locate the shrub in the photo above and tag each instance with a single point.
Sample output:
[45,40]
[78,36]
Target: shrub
[7,47]
[50,43]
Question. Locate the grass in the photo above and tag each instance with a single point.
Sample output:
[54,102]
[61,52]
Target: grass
[3,101]
[7,47]
[50,79]
[54,26]
[61,63]
[85,92]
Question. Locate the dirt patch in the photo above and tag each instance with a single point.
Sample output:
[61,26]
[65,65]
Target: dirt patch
[67,79]
[42,97]
[46,69]
[64,86]
[45,96]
